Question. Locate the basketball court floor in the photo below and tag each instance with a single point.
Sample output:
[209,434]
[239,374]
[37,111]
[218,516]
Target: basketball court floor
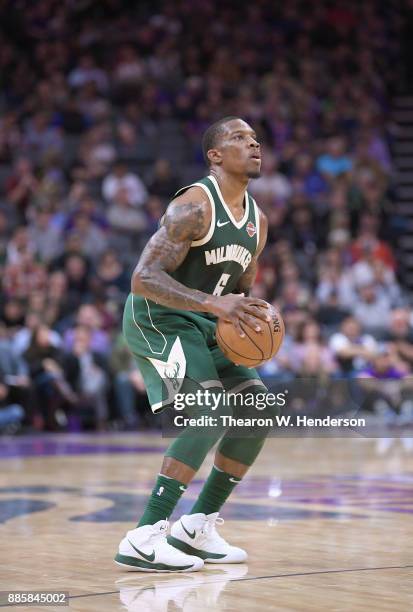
[328,524]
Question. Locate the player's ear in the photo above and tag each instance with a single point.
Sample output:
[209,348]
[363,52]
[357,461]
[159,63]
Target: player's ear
[214,156]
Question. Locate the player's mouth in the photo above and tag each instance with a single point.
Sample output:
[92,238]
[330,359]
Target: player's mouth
[256,156]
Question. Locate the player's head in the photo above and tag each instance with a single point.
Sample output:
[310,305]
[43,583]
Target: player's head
[231,144]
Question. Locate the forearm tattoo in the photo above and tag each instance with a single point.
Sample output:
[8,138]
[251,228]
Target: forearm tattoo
[165,252]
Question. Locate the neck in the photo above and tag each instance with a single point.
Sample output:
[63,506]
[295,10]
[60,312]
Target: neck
[232,187]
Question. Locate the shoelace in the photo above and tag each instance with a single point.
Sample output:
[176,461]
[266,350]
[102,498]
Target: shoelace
[209,526]
[159,535]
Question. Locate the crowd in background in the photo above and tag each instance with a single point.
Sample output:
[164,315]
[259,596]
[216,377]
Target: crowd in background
[102,109]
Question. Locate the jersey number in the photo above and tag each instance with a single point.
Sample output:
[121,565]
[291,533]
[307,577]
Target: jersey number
[221,284]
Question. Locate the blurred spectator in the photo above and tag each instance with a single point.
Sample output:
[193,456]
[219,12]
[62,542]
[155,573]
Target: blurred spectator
[155,210]
[77,274]
[351,348]
[84,204]
[122,214]
[92,378]
[367,242]
[127,146]
[164,183]
[372,308]
[23,277]
[86,72]
[89,318]
[386,385]
[14,375]
[271,186]
[121,180]
[70,118]
[335,161]
[11,415]
[309,355]
[10,136]
[111,275]
[73,246]
[21,186]
[44,236]
[20,246]
[93,239]
[399,336]
[306,178]
[130,69]
[52,390]
[12,315]
[22,338]
[128,385]
[4,236]
[41,137]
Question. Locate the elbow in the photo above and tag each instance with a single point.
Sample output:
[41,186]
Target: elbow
[142,278]
[137,283]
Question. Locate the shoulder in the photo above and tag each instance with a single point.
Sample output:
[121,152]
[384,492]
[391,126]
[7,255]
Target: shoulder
[262,217]
[263,221]
[188,215]
[193,193]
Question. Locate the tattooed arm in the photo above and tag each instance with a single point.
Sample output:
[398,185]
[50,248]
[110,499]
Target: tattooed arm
[247,280]
[187,218]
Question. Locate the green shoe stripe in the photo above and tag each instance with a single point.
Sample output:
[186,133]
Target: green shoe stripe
[146,565]
[188,533]
[190,550]
[149,558]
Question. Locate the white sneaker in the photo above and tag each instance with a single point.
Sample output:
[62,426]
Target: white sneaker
[195,534]
[145,549]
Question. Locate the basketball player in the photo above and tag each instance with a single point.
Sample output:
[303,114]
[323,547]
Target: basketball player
[199,266]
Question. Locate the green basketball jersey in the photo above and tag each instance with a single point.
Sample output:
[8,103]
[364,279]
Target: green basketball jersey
[172,345]
[215,263]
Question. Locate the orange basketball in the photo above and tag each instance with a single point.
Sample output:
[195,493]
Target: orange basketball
[256,347]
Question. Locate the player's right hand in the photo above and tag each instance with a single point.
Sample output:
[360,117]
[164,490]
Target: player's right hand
[240,310]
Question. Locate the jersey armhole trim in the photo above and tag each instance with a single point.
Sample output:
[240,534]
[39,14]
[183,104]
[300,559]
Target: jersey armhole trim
[208,235]
[257,220]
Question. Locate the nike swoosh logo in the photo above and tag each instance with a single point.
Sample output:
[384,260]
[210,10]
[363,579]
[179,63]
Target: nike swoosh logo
[149,558]
[182,488]
[191,535]
[221,223]
[234,480]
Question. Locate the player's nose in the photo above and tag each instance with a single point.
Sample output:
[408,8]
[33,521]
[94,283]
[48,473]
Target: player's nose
[254,148]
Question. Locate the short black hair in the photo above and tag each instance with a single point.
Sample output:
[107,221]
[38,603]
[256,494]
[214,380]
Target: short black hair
[212,134]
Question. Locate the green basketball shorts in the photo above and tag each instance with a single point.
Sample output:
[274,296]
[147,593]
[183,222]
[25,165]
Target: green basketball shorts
[171,346]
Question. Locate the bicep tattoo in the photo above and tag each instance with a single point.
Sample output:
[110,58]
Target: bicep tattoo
[182,223]
[165,252]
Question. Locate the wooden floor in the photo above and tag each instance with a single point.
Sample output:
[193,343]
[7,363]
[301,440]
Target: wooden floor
[328,524]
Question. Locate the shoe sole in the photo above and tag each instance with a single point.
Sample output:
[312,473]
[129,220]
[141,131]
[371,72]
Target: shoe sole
[137,565]
[202,554]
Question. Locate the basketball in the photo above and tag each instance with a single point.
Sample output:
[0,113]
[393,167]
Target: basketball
[256,347]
